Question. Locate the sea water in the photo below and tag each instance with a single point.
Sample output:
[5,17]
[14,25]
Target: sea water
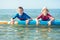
[30,32]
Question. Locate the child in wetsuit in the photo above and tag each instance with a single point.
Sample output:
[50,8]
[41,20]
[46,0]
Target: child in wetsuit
[45,16]
[21,16]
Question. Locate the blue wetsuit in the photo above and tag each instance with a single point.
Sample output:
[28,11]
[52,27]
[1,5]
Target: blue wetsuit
[22,17]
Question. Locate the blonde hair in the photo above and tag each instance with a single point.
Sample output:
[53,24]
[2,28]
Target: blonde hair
[44,8]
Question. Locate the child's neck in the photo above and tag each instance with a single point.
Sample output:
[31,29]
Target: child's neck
[20,13]
[44,14]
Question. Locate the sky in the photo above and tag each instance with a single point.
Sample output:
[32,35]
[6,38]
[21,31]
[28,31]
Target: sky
[29,4]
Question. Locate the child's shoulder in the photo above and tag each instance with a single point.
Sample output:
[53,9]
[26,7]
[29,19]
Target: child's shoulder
[48,14]
[24,13]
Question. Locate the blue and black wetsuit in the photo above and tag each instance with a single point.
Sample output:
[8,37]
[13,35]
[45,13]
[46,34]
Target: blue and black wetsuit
[22,17]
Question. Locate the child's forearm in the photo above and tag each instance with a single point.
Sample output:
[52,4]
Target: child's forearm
[37,21]
[51,19]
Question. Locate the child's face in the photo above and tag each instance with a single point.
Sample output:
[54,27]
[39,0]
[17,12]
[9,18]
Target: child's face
[20,11]
[45,11]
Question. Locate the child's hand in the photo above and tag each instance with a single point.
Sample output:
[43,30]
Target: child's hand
[12,21]
[49,23]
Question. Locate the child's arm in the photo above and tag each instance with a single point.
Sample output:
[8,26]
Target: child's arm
[49,23]
[28,17]
[37,22]
[39,16]
[37,19]
[51,19]
[15,16]
[12,19]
